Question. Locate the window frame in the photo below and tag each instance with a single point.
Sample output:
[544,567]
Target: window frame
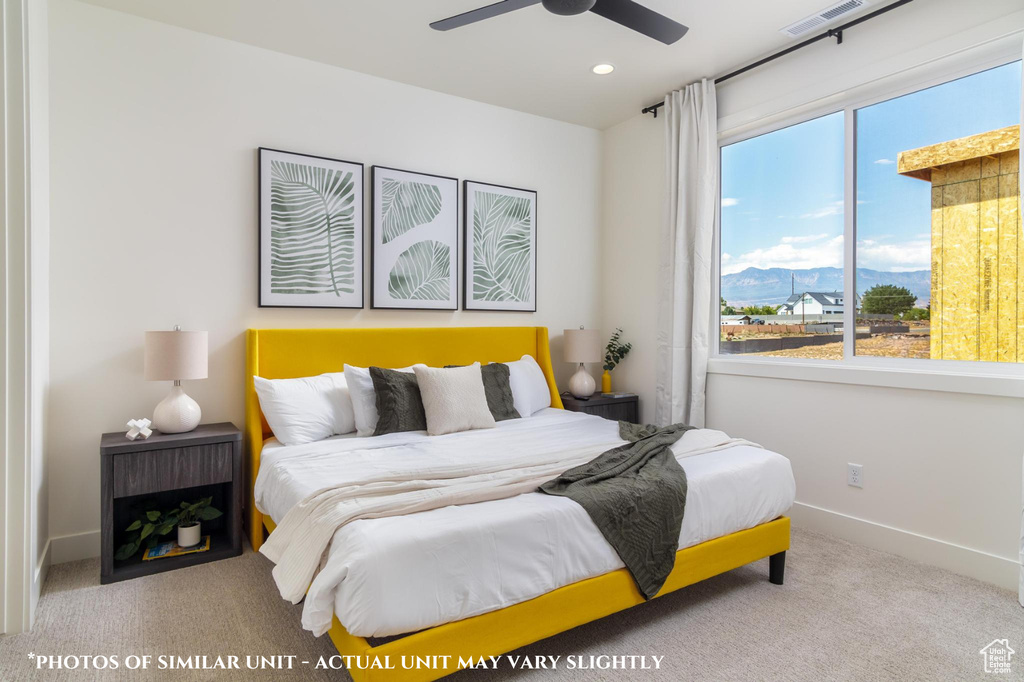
[960,376]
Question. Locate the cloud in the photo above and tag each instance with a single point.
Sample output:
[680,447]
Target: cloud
[835,208]
[729,201]
[885,162]
[804,239]
[795,253]
[914,254]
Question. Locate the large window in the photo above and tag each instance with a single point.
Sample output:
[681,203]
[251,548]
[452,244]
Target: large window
[782,242]
[937,222]
[935,231]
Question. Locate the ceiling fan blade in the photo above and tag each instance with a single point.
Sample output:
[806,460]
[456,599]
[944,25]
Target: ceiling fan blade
[475,15]
[639,18]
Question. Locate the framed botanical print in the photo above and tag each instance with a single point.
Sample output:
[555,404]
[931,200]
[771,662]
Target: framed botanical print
[414,240]
[500,247]
[311,231]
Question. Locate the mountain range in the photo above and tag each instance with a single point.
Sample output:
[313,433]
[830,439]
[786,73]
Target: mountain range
[755,286]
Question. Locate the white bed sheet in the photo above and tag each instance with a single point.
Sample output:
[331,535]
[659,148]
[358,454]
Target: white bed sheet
[400,574]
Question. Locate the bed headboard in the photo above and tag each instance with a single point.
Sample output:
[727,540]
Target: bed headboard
[287,353]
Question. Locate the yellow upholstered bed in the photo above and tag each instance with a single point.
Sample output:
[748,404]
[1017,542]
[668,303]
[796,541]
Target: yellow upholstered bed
[286,353]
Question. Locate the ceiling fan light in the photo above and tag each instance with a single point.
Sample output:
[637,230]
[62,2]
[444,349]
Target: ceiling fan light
[568,8]
[603,69]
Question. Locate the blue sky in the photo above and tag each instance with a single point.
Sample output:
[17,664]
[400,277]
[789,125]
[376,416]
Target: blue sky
[782,193]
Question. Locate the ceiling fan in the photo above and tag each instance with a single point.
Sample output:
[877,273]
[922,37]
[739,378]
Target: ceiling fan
[625,12]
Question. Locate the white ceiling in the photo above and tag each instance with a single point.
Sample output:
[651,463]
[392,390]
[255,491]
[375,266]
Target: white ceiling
[530,59]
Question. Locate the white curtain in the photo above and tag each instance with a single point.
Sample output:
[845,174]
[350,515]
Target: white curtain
[684,276]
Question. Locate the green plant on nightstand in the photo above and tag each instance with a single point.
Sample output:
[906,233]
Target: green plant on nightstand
[189,517]
[614,352]
[151,525]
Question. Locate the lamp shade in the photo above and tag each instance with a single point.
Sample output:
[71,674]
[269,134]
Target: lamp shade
[176,355]
[582,345]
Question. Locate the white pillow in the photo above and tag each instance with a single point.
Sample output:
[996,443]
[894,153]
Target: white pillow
[306,409]
[453,399]
[364,398]
[530,392]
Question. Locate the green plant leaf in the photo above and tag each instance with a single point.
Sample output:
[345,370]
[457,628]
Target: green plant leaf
[146,530]
[422,273]
[164,529]
[502,253]
[151,542]
[152,515]
[126,551]
[209,514]
[312,229]
[184,505]
[135,525]
[405,205]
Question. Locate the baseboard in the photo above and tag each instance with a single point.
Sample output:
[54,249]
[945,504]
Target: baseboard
[74,547]
[973,563]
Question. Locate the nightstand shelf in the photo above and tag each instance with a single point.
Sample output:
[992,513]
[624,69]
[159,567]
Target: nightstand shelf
[164,470]
[220,548]
[626,408]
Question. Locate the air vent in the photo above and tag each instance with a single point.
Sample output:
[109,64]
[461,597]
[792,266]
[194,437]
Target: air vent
[823,17]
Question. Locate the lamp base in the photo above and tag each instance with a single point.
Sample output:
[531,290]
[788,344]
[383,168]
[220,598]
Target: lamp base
[177,413]
[582,384]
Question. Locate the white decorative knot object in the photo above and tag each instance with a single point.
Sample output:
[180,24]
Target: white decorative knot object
[138,427]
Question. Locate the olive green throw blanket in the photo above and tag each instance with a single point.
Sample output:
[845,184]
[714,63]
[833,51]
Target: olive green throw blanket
[635,494]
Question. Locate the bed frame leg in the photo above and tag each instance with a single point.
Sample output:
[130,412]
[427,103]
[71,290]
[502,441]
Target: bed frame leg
[776,568]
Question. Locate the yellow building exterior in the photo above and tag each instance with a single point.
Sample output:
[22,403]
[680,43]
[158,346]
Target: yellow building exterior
[977,292]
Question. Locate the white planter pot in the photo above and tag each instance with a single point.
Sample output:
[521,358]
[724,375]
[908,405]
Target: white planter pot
[189,536]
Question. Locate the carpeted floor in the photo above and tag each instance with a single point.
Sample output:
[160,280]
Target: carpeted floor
[845,613]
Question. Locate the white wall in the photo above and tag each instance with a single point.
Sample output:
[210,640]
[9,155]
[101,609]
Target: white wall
[632,214]
[942,470]
[154,216]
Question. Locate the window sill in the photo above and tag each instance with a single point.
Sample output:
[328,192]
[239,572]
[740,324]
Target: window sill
[1001,380]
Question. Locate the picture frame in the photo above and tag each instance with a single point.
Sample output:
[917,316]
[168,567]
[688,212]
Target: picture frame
[500,247]
[414,240]
[310,231]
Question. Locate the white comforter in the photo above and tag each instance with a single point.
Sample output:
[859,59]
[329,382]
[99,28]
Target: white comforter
[391,575]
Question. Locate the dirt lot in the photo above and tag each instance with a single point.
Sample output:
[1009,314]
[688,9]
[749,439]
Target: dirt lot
[883,345]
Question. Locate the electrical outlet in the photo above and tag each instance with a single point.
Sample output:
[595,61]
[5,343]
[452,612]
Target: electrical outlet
[855,475]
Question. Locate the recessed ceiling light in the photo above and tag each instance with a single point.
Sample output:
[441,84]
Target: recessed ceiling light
[603,69]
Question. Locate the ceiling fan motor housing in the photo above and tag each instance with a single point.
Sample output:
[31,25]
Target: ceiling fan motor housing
[568,7]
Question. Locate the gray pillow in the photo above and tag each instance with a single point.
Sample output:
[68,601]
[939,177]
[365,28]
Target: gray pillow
[498,390]
[398,402]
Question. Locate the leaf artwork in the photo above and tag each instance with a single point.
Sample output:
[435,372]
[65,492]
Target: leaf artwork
[502,258]
[422,273]
[312,229]
[405,205]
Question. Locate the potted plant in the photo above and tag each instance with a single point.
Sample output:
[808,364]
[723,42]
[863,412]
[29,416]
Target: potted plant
[189,520]
[148,526]
[614,352]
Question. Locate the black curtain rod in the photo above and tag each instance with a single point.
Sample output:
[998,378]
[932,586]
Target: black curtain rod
[836,33]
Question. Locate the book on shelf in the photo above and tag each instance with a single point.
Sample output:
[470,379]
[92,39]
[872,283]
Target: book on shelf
[166,550]
[618,394]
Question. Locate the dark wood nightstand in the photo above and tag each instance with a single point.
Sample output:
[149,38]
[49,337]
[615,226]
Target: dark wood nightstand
[625,409]
[165,470]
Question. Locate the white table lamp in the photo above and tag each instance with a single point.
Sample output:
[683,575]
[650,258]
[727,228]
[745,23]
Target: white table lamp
[176,356]
[582,345]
